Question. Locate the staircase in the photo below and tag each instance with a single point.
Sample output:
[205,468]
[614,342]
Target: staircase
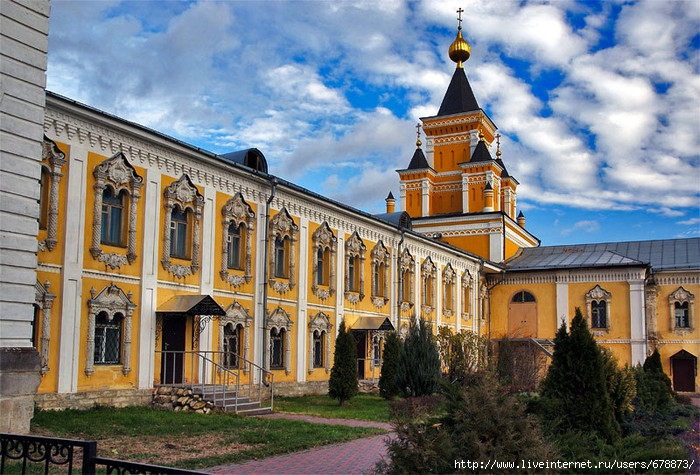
[229,400]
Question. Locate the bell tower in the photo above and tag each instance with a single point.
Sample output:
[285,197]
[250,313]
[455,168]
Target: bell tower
[456,189]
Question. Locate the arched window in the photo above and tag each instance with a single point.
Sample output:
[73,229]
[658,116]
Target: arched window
[179,233]
[115,205]
[428,278]
[233,339]
[354,268]
[319,342]
[325,245]
[232,345]
[236,254]
[109,320]
[523,297]
[380,274]
[681,308]
[113,215]
[682,320]
[599,314]
[449,277]
[108,338]
[406,275]
[283,234]
[233,245]
[280,344]
[184,206]
[598,308]
[277,348]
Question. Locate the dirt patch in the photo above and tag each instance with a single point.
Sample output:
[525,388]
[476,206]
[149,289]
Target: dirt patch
[160,450]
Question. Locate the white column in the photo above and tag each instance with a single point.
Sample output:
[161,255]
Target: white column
[637,327]
[425,198]
[208,267]
[72,285]
[302,302]
[562,291]
[150,261]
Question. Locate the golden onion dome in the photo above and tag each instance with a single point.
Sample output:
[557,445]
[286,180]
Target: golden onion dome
[459,49]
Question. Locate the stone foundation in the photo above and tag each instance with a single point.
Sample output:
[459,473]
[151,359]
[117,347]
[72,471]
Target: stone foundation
[89,399]
[293,389]
[180,399]
[19,380]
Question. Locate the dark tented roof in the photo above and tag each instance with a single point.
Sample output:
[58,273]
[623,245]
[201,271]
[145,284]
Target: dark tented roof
[251,158]
[662,255]
[418,161]
[459,96]
[481,153]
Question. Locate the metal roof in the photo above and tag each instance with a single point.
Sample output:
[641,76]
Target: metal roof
[661,255]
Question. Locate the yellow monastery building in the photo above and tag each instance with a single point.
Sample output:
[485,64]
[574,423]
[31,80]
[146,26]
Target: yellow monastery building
[160,263]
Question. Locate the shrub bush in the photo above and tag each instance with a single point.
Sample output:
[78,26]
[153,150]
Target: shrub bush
[342,384]
[418,371]
[388,388]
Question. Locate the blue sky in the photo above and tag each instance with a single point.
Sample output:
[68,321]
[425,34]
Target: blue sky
[598,103]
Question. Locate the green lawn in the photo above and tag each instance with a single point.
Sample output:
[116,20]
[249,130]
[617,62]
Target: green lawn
[188,440]
[366,407]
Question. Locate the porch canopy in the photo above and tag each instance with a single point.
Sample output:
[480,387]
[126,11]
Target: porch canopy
[372,323]
[191,305]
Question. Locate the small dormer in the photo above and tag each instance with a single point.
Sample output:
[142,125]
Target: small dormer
[251,158]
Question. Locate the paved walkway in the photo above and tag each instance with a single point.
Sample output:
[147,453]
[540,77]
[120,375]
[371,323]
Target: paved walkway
[351,458]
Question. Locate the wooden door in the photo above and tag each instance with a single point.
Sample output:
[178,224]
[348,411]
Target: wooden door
[522,320]
[683,374]
[172,361]
[361,344]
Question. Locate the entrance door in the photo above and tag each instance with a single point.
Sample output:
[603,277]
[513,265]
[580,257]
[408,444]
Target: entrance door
[522,316]
[172,361]
[683,369]
[361,344]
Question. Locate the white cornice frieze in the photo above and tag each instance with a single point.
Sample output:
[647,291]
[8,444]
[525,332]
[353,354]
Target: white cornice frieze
[574,276]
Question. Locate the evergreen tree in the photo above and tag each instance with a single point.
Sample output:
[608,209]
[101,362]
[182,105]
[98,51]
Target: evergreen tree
[505,366]
[418,371]
[621,385]
[342,384]
[388,388]
[654,389]
[574,392]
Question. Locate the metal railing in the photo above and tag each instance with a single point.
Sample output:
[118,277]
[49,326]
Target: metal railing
[23,453]
[220,376]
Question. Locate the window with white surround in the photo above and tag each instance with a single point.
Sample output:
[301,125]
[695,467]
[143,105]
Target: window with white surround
[279,326]
[354,268]
[109,329]
[117,191]
[428,280]
[598,309]
[236,254]
[233,336]
[324,248]
[283,236]
[319,342]
[466,295]
[184,206]
[380,275]
[406,279]
[449,277]
[682,310]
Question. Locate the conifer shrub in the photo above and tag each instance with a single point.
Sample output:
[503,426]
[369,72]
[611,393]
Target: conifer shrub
[654,390]
[621,385]
[505,365]
[342,384]
[418,369]
[388,388]
[476,421]
[574,392]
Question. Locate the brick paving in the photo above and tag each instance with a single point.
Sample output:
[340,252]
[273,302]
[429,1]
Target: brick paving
[350,458]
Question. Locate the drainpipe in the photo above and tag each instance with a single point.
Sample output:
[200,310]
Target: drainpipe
[400,280]
[266,267]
